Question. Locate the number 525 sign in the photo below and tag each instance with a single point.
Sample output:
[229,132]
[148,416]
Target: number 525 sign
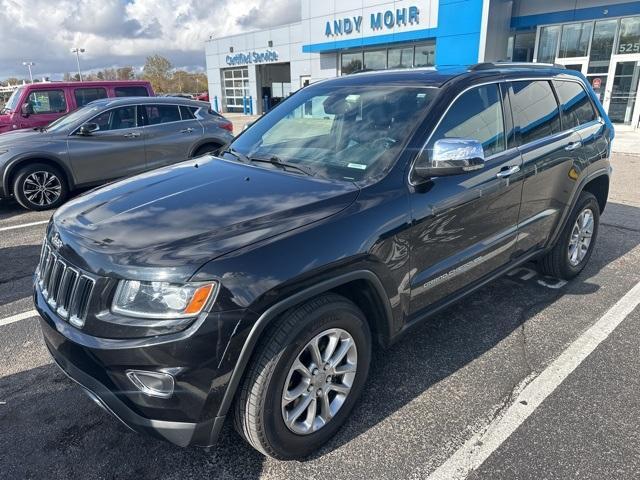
[629,48]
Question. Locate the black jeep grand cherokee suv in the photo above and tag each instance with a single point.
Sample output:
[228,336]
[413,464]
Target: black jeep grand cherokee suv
[254,285]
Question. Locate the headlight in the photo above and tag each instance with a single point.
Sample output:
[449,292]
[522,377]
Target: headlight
[161,299]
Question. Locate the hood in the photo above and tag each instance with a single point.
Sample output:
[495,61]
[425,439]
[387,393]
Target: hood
[169,222]
[24,136]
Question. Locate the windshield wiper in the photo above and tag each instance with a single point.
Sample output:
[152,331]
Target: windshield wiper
[237,154]
[273,160]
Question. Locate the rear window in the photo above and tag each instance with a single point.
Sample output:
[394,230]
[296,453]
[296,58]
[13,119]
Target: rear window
[86,95]
[535,110]
[134,91]
[157,114]
[575,104]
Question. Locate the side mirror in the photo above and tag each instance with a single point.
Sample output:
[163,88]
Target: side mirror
[26,109]
[450,156]
[88,129]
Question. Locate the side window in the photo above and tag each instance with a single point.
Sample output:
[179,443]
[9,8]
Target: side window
[47,101]
[131,92]
[535,110]
[476,115]
[86,95]
[157,114]
[116,119]
[187,113]
[575,104]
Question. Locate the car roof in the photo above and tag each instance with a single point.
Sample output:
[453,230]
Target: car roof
[91,83]
[116,101]
[438,76]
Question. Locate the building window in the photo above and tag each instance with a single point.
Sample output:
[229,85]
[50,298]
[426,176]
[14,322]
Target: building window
[425,55]
[548,45]
[375,60]
[520,47]
[629,37]
[602,46]
[235,88]
[575,39]
[400,57]
[351,62]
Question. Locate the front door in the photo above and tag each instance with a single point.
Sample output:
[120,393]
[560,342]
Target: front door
[621,96]
[464,226]
[116,150]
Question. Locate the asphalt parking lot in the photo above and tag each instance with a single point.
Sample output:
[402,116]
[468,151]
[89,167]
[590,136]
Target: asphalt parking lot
[438,400]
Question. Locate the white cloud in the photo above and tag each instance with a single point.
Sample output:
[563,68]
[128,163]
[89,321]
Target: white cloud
[124,32]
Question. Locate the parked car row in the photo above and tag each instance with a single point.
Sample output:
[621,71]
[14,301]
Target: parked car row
[104,140]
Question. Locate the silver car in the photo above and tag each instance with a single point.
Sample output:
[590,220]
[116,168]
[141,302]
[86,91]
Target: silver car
[105,140]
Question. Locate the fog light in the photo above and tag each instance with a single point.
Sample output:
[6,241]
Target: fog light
[154,384]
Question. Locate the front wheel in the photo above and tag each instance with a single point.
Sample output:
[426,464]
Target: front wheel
[575,245]
[40,187]
[306,376]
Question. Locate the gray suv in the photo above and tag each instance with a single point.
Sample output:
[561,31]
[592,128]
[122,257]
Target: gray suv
[105,140]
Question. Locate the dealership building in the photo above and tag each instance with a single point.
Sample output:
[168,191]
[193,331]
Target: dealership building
[251,72]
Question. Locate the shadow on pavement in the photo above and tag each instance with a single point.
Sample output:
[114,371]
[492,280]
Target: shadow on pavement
[17,265]
[49,425]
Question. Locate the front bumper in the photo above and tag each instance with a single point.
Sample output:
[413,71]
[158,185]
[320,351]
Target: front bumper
[188,417]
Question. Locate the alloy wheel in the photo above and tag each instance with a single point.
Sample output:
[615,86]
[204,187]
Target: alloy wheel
[42,188]
[319,381]
[580,238]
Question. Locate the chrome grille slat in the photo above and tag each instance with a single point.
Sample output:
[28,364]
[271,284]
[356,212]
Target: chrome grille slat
[64,287]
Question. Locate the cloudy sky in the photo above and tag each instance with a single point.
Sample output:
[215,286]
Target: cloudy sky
[124,32]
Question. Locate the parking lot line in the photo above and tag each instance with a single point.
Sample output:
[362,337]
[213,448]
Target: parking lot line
[23,225]
[479,447]
[18,317]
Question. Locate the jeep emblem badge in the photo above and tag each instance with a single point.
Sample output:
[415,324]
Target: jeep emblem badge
[55,241]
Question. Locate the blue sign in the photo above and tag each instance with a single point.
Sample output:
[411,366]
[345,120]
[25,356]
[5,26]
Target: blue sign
[252,57]
[377,21]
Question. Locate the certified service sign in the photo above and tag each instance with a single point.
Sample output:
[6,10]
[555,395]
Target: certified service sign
[252,57]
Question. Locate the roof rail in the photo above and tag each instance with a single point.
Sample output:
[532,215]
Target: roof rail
[495,65]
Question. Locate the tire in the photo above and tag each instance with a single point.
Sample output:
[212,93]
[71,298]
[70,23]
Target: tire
[557,262]
[259,414]
[31,178]
[208,148]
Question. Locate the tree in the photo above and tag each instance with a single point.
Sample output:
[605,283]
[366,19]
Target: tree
[125,73]
[100,75]
[157,70]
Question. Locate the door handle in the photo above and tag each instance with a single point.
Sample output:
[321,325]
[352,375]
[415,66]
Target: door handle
[508,171]
[573,146]
[186,130]
[132,135]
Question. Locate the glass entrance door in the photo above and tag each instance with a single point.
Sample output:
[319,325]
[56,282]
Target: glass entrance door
[623,92]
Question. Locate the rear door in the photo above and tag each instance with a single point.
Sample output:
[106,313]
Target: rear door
[171,131]
[464,226]
[116,150]
[549,154]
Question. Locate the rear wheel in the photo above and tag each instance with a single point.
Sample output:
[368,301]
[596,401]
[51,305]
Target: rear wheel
[305,378]
[40,187]
[575,245]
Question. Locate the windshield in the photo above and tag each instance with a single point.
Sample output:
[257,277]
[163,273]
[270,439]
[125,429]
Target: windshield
[351,133]
[71,118]
[12,103]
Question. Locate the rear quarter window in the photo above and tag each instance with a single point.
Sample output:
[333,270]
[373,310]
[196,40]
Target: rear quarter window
[575,104]
[535,110]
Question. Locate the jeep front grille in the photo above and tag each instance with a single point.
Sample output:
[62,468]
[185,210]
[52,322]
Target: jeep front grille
[66,289]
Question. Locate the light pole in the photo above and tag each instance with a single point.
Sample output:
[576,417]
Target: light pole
[29,65]
[78,51]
